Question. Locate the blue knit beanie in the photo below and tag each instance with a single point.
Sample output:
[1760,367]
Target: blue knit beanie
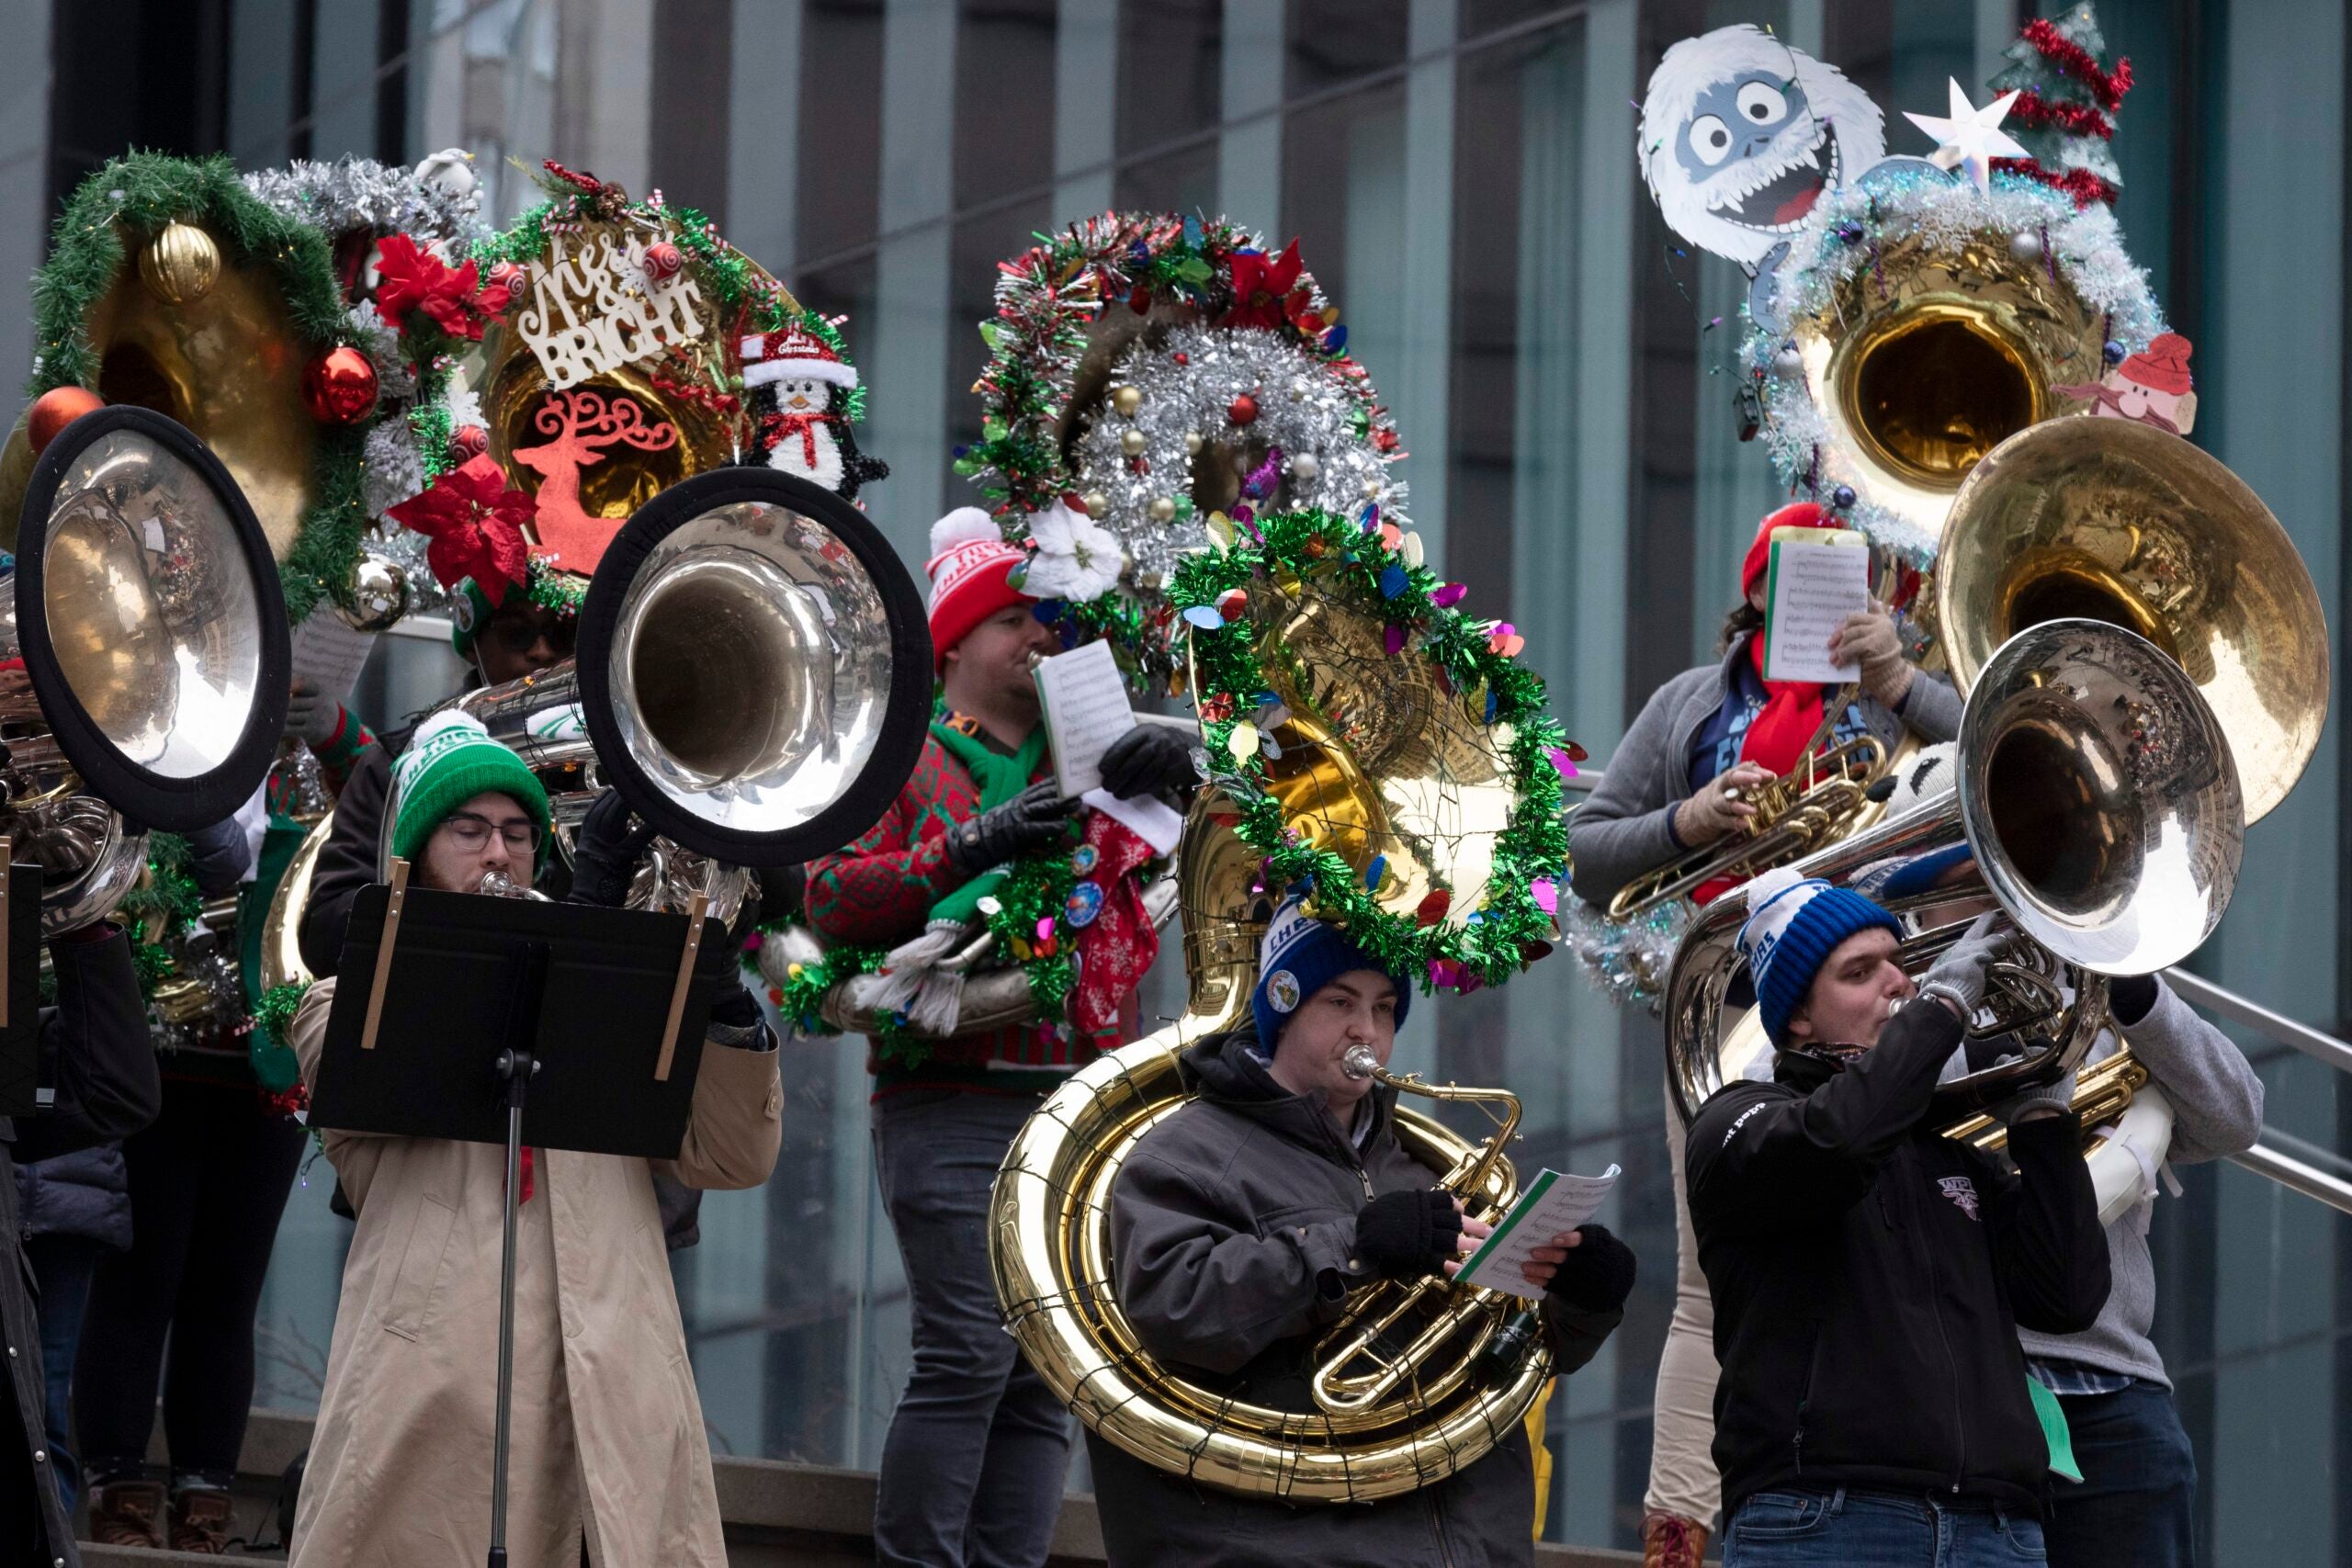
[1299,956]
[1794,925]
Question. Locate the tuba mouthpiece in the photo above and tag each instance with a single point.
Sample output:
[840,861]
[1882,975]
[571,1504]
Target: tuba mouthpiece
[1360,1063]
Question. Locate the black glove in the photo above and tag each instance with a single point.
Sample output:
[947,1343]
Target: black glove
[1402,1235]
[1034,819]
[218,856]
[1596,1275]
[1149,758]
[604,852]
[2131,997]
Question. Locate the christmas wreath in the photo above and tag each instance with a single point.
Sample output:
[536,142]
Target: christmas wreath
[1369,563]
[1124,346]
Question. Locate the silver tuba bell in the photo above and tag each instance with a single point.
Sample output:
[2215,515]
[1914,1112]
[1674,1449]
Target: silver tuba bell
[752,673]
[143,655]
[2100,810]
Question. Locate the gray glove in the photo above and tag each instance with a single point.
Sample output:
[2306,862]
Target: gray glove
[1960,973]
[2058,1096]
[1037,818]
[312,716]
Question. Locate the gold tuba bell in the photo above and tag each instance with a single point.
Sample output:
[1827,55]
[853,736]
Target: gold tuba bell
[1374,759]
[143,657]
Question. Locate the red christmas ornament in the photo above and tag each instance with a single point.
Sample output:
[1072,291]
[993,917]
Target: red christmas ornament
[1432,909]
[56,409]
[505,279]
[469,441]
[663,261]
[1233,603]
[1242,409]
[1140,300]
[339,387]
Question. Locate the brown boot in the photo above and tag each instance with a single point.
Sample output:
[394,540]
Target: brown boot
[128,1512]
[201,1520]
[1670,1541]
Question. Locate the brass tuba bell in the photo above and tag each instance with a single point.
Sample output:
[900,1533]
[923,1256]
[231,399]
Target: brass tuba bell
[143,659]
[2118,521]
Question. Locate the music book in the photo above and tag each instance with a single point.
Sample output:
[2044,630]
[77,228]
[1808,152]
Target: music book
[1814,582]
[1086,710]
[1553,1205]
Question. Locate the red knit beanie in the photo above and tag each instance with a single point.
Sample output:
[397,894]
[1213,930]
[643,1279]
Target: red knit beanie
[1802,514]
[969,562]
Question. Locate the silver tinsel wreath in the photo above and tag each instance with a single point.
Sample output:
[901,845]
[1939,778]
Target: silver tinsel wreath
[359,193]
[1625,960]
[1188,384]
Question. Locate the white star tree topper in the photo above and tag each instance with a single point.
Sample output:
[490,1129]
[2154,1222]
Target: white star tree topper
[1972,138]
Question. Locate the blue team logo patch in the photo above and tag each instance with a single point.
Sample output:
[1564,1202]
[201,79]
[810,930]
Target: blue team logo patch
[1085,904]
[1962,1191]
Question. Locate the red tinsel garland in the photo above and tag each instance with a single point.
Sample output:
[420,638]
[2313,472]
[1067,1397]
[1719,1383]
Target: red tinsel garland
[2037,113]
[2075,60]
[2081,184]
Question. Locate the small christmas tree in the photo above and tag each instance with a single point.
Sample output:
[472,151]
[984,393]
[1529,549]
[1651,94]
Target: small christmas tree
[2065,108]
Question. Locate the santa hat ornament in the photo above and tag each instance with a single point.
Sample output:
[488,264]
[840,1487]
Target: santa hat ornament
[2162,367]
[970,566]
[793,355]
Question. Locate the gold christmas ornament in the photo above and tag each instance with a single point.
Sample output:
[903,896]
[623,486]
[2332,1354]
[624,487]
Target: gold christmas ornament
[1193,443]
[1127,400]
[1097,504]
[180,265]
[380,595]
[1163,509]
[1132,443]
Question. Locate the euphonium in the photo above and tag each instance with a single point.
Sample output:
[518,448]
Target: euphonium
[2100,811]
[1392,766]
[143,658]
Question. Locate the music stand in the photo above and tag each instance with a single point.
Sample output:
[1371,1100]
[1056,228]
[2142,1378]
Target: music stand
[450,1007]
[21,886]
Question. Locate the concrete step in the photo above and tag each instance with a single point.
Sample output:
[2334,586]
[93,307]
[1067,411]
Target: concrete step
[776,1514]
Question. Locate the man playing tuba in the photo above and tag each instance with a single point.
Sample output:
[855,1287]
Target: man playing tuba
[1240,1225]
[1869,1274]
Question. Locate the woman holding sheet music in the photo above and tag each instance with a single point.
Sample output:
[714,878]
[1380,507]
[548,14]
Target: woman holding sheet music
[1703,744]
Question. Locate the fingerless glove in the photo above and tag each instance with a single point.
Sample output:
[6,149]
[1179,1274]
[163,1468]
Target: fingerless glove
[1402,1235]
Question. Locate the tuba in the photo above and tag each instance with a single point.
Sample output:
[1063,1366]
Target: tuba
[752,673]
[143,660]
[1373,759]
[2100,812]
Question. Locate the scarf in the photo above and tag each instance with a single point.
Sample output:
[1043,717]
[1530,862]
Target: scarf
[777,428]
[1777,737]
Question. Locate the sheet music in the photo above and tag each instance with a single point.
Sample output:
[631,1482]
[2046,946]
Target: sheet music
[1553,1205]
[1813,588]
[1086,710]
[329,654]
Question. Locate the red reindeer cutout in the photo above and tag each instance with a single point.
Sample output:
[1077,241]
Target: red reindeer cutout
[581,426]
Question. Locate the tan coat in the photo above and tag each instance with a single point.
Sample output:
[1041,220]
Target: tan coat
[608,1441]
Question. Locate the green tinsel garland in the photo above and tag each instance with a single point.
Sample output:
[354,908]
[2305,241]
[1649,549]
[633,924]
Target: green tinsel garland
[274,1014]
[1035,891]
[170,895]
[145,191]
[1343,560]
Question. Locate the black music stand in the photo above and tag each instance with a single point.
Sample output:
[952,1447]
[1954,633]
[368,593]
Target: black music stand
[451,1006]
[21,884]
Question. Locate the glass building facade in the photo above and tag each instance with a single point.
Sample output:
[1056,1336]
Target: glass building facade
[1461,175]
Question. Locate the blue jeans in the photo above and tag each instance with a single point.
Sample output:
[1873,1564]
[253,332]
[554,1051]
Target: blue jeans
[1875,1530]
[61,1266]
[2136,1503]
[972,1468]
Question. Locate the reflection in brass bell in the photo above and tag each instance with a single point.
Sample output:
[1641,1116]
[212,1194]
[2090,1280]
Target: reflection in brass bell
[180,265]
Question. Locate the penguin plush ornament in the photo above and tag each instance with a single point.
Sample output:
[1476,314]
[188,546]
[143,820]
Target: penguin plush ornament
[799,387]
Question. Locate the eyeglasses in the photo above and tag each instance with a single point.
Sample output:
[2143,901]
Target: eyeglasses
[470,832]
[519,635]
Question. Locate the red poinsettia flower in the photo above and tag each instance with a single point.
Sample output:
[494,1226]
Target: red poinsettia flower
[1262,285]
[411,278]
[475,523]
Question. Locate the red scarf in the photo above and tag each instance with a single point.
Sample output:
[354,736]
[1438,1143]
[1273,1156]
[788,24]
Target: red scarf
[778,428]
[1777,737]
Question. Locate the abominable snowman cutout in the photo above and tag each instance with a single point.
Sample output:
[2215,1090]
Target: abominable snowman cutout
[797,384]
[1740,135]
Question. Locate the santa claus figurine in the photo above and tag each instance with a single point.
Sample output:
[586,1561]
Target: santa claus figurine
[2151,386]
[797,386]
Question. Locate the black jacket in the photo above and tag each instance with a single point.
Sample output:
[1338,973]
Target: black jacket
[1869,1274]
[94,1049]
[1232,1229]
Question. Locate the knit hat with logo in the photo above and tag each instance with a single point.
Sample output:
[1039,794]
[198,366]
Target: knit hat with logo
[1794,923]
[1299,956]
[450,759]
[970,561]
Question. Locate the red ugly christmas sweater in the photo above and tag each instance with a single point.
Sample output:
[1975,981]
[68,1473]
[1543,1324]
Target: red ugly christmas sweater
[878,891]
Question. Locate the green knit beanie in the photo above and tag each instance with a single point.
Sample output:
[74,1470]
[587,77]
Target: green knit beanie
[448,760]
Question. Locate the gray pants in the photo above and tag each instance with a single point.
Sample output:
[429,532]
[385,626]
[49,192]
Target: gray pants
[972,1468]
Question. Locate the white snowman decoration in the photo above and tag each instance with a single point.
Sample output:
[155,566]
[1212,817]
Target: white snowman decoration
[797,381]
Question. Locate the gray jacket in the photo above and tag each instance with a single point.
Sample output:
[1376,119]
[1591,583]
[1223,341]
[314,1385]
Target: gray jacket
[1232,1236]
[2216,1112]
[1622,828]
